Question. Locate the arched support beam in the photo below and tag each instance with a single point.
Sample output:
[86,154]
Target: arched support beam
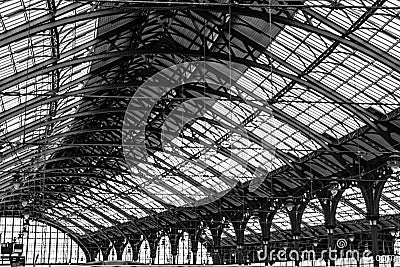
[315,85]
[89,220]
[318,87]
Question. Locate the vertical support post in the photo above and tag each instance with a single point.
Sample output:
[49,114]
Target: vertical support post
[194,234]
[216,231]
[135,252]
[92,253]
[331,244]
[266,218]
[194,252]
[296,247]
[153,240]
[194,248]
[372,189]
[295,216]
[135,241]
[174,257]
[119,246]
[329,203]
[174,248]
[266,250]
[239,254]
[239,223]
[374,241]
[105,248]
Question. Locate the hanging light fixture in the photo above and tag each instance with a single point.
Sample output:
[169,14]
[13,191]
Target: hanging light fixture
[334,187]
[25,231]
[246,214]
[351,237]
[16,181]
[24,203]
[203,234]
[393,232]
[26,214]
[289,204]
[394,162]
[315,242]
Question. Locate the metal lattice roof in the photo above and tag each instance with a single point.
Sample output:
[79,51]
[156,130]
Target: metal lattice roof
[328,71]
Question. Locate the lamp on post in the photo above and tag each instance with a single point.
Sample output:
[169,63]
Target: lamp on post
[351,238]
[334,187]
[289,204]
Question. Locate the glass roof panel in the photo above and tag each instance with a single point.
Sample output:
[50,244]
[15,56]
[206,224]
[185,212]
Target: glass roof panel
[317,112]
[229,231]
[353,73]
[352,205]
[388,204]
[313,214]
[73,221]
[253,226]
[281,221]
[26,103]
[300,49]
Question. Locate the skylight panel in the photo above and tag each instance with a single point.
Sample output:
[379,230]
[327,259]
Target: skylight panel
[386,209]
[345,210]
[229,231]
[281,220]
[313,215]
[67,224]
[342,73]
[85,224]
[165,195]
[297,61]
[148,202]
[253,225]
[113,214]
[25,53]
[390,192]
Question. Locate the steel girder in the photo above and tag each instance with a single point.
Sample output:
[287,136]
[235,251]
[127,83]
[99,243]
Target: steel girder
[241,61]
[310,83]
[224,57]
[313,29]
[24,191]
